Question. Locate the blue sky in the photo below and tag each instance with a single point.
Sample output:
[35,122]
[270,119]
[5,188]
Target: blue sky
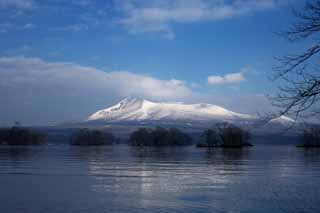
[53,54]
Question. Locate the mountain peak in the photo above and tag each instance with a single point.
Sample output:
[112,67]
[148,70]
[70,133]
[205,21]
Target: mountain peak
[282,119]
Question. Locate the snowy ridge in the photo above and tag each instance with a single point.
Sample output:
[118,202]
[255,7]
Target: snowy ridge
[283,120]
[134,109]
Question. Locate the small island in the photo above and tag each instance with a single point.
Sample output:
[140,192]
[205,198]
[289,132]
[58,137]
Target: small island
[87,137]
[159,137]
[311,138]
[225,135]
[21,136]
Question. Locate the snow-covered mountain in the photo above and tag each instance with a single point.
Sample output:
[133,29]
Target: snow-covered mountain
[139,110]
[133,113]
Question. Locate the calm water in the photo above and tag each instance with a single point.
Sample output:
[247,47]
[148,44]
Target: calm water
[60,178]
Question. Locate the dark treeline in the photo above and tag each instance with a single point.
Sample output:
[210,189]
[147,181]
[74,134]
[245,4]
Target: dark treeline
[159,137]
[21,136]
[311,137]
[224,135]
[91,137]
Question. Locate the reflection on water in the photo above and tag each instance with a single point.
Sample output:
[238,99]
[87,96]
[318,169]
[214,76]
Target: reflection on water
[310,156]
[183,179]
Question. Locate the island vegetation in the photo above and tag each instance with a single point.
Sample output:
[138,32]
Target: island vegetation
[311,137]
[159,137]
[21,136]
[86,137]
[225,135]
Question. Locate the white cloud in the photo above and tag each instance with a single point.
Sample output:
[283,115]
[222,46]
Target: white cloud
[87,22]
[215,79]
[141,16]
[17,4]
[71,28]
[83,2]
[227,79]
[22,49]
[5,27]
[37,91]
[177,82]
[28,26]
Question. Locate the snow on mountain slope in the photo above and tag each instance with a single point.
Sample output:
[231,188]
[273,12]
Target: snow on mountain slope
[283,120]
[141,110]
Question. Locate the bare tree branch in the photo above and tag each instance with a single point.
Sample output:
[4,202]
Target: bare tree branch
[300,84]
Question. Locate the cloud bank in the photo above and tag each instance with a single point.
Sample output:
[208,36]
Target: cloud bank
[35,90]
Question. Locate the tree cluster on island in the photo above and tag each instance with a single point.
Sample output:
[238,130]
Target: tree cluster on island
[225,135]
[311,137]
[21,136]
[89,137]
[159,137]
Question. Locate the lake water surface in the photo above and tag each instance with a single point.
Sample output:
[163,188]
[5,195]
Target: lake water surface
[62,178]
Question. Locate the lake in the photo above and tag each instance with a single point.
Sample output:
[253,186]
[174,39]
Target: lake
[119,178]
